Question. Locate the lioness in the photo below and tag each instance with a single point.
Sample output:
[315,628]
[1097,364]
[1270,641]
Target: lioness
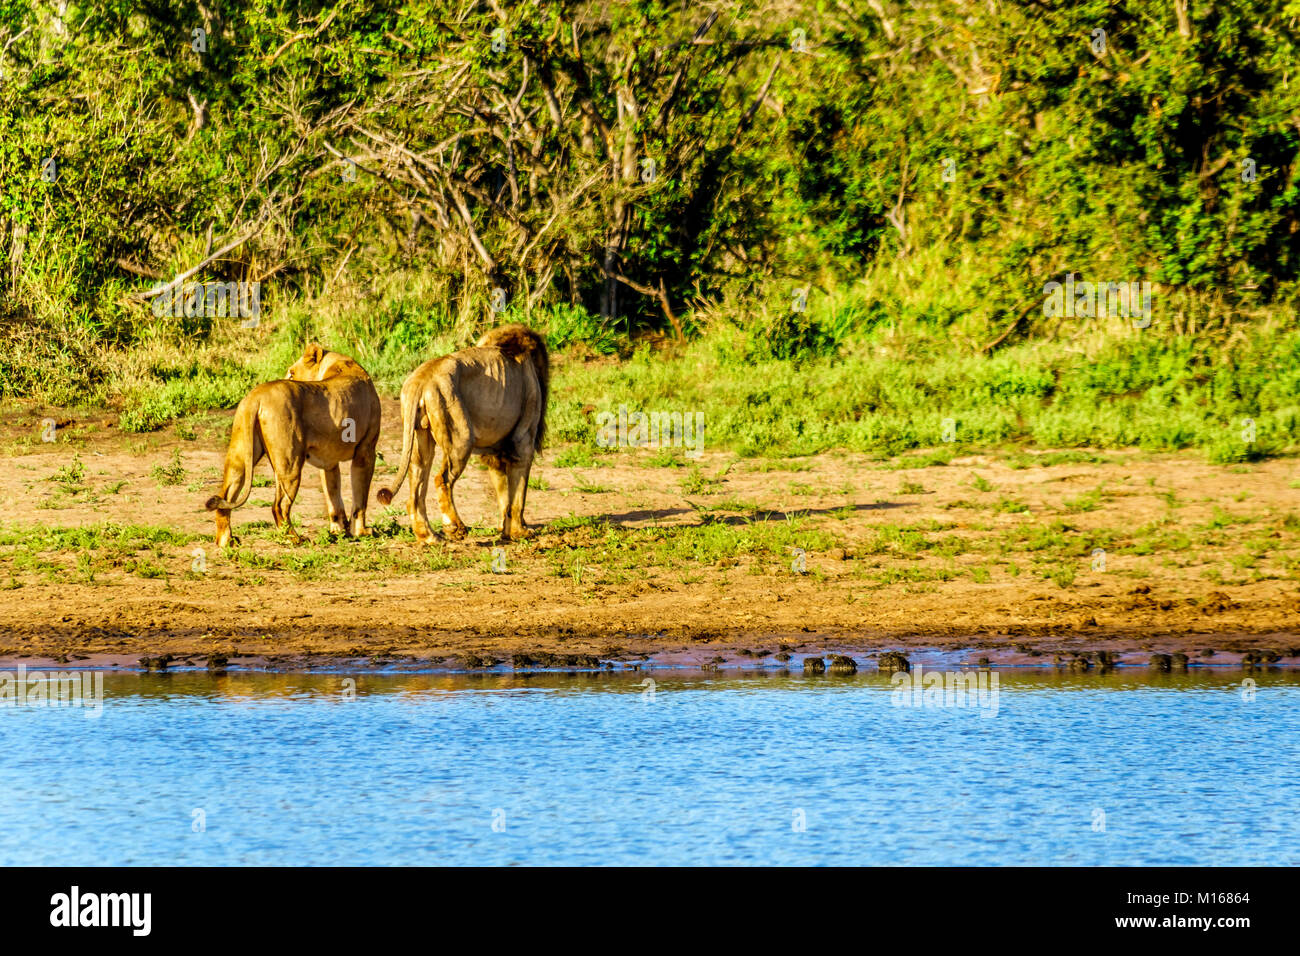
[324,411]
[489,400]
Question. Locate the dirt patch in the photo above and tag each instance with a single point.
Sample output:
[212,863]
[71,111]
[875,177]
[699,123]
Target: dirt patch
[1136,554]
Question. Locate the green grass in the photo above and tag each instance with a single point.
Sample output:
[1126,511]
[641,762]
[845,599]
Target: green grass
[768,465]
[698,483]
[1157,392]
[109,537]
[1062,575]
[577,456]
[1024,459]
[611,548]
[93,549]
[1089,501]
[71,477]
[666,458]
[1222,519]
[588,543]
[172,473]
[909,575]
[174,394]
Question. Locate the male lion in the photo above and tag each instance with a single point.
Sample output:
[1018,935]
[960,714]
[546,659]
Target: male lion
[489,400]
[324,411]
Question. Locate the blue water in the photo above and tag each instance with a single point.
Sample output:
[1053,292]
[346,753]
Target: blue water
[713,769]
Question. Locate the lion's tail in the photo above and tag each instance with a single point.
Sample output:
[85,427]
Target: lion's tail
[519,340]
[245,415]
[410,418]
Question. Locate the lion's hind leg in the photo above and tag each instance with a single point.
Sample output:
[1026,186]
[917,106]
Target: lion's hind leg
[286,489]
[287,464]
[519,469]
[422,462]
[332,481]
[454,438]
[522,446]
[361,472]
[519,496]
[499,474]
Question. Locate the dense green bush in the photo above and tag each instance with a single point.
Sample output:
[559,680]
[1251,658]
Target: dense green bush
[921,169]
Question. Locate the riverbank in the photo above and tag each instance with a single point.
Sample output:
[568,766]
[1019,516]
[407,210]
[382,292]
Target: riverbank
[1014,556]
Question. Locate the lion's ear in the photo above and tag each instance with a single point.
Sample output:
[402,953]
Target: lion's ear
[314,352]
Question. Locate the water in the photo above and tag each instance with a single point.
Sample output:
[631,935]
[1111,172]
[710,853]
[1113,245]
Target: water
[714,769]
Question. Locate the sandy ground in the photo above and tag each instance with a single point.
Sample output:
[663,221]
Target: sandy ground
[1234,588]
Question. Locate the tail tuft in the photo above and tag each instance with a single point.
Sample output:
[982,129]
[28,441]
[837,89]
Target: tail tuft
[215,502]
[385,496]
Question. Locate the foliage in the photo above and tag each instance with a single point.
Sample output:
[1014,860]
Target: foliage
[615,171]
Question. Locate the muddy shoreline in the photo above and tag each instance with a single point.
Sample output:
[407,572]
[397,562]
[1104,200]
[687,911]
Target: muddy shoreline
[369,650]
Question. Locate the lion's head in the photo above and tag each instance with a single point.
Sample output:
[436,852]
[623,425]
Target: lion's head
[308,368]
[318,363]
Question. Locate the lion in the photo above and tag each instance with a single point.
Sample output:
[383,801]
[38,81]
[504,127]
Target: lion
[489,400]
[323,412]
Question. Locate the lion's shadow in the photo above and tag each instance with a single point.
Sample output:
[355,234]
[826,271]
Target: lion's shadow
[706,518]
[746,517]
